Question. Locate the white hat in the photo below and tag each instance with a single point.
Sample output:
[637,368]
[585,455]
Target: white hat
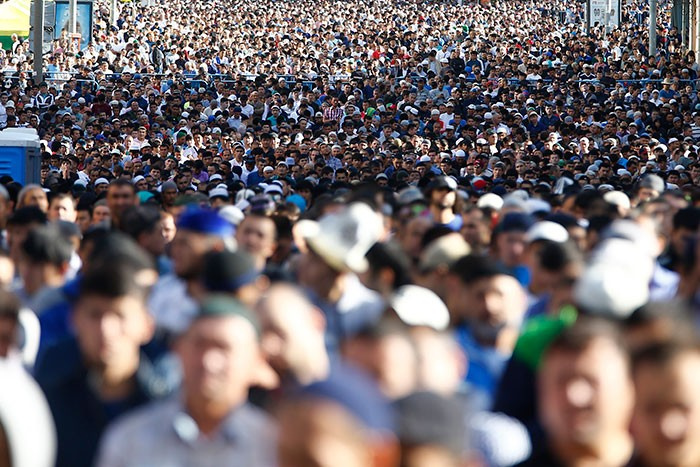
[343,238]
[534,205]
[617,198]
[137,179]
[547,230]
[490,200]
[101,181]
[232,214]
[616,282]
[215,177]
[218,192]
[443,252]
[273,188]
[418,306]
[424,159]
[244,194]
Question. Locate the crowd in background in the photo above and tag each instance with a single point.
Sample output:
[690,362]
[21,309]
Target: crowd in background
[356,233]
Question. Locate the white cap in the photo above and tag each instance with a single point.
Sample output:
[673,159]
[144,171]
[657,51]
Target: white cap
[490,200]
[233,214]
[218,192]
[617,198]
[547,230]
[418,306]
[273,188]
[101,181]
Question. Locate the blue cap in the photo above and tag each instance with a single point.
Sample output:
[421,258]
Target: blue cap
[206,222]
[515,222]
[356,393]
[298,200]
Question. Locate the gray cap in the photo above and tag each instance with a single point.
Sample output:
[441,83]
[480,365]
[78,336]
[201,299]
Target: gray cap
[653,182]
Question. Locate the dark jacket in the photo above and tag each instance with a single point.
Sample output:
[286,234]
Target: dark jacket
[79,414]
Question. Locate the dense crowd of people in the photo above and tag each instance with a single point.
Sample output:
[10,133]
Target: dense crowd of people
[353,234]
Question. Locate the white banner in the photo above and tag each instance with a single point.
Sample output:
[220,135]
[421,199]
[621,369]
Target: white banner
[603,13]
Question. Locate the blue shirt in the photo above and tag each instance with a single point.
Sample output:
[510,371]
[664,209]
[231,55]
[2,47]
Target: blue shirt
[486,364]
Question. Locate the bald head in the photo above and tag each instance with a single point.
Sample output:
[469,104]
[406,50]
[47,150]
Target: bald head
[293,334]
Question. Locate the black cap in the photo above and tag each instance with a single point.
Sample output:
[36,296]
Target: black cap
[226,271]
[442,182]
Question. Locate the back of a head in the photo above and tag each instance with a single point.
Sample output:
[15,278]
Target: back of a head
[27,216]
[228,271]
[429,420]
[139,219]
[687,218]
[555,256]
[389,255]
[116,267]
[47,244]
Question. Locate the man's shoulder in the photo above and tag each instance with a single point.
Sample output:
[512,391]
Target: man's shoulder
[255,418]
[149,419]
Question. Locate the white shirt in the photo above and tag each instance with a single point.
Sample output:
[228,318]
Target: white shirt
[170,304]
[162,434]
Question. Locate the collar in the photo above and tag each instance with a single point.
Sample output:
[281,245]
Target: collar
[231,429]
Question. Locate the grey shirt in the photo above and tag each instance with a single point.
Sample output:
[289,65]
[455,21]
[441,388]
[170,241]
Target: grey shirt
[164,435]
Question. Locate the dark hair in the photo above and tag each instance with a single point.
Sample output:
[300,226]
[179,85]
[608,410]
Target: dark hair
[688,218]
[389,255]
[472,268]
[120,182]
[116,267]
[27,216]
[48,244]
[139,219]
[579,336]
[661,354]
[555,256]
[9,306]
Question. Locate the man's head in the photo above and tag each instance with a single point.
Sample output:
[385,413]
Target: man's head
[342,421]
[442,192]
[292,334]
[110,317]
[585,390]
[234,273]
[650,187]
[666,421]
[257,235]
[144,224]
[9,322]
[121,194]
[44,258]
[510,238]
[62,207]
[483,294]
[198,232]
[220,354]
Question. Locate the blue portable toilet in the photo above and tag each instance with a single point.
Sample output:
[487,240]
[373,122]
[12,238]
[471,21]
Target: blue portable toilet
[20,155]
